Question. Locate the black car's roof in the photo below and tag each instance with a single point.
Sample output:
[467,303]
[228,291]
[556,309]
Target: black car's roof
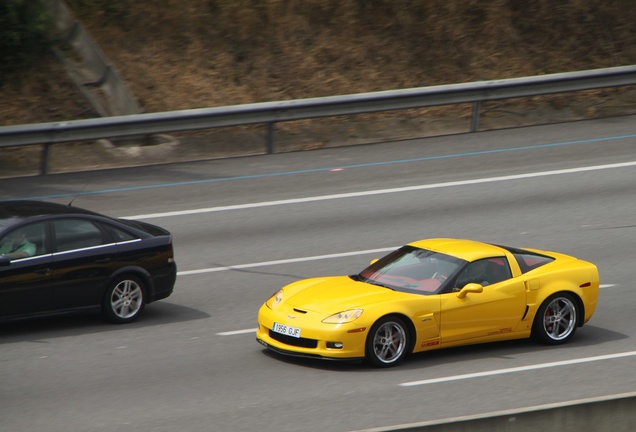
[26,209]
[16,210]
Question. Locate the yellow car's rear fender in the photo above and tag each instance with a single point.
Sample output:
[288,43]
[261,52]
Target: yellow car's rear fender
[581,281]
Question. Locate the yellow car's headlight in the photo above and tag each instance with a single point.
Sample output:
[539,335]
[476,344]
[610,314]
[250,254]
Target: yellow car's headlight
[344,317]
[275,300]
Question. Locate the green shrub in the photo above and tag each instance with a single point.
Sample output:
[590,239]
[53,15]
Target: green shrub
[24,36]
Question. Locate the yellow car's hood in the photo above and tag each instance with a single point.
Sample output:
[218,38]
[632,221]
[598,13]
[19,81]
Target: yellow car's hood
[337,294]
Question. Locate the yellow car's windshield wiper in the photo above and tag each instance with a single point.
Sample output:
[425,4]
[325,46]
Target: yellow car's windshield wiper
[360,278]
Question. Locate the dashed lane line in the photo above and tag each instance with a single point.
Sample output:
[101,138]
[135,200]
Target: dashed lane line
[285,261]
[383,191]
[518,369]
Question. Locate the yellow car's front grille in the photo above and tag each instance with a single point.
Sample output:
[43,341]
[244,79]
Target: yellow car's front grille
[289,340]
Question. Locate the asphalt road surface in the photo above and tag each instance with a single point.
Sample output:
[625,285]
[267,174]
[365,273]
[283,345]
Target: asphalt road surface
[245,227]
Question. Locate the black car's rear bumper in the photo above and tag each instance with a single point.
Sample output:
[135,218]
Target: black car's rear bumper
[163,283]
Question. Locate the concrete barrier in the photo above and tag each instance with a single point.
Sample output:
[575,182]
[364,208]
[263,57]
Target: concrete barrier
[95,77]
[613,413]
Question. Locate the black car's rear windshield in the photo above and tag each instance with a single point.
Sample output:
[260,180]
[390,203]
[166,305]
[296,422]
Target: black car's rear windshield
[144,226]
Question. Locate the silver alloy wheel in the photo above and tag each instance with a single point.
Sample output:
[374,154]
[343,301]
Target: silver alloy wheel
[126,299]
[559,318]
[389,342]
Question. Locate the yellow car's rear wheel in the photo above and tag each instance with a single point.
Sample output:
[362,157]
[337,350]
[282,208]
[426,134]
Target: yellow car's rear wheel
[388,342]
[556,320]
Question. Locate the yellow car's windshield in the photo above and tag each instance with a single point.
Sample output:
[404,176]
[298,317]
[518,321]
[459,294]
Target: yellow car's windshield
[411,269]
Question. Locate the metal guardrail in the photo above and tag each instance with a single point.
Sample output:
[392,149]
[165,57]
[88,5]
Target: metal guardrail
[270,113]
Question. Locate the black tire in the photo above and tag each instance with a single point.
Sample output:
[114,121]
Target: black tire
[388,342]
[556,320]
[125,300]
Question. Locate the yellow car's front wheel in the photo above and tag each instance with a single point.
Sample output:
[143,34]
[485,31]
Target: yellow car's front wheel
[388,342]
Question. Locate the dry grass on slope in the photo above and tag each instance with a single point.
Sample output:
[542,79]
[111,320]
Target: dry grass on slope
[180,54]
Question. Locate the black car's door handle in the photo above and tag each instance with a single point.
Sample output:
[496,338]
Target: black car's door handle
[42,271]
[103,260]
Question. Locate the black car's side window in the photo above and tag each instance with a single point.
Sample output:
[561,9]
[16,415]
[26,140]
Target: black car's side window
[73,234]
[118,234]
[24,242]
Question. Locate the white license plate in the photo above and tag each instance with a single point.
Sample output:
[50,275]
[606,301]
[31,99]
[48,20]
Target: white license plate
[286,330]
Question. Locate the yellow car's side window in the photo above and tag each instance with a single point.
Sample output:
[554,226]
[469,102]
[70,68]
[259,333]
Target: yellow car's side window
[485,272]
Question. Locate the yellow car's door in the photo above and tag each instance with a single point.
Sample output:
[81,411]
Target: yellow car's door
[482,310]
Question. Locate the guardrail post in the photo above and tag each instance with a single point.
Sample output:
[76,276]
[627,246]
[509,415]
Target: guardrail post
[45,159]
[474,120]
[270,138]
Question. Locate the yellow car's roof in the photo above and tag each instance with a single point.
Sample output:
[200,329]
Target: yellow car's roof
[469,250]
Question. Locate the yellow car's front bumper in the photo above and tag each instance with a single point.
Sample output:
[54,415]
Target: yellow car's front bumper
[317,339]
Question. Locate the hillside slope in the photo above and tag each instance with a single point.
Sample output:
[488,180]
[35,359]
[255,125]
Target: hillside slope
[180,54]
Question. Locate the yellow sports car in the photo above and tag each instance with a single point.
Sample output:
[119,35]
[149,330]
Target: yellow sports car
[432,294]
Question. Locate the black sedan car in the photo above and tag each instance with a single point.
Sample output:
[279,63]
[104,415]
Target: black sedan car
[56,258]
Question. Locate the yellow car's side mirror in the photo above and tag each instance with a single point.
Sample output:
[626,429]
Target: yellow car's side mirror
[470,288]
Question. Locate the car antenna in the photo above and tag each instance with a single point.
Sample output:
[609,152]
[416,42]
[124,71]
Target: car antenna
[78,193]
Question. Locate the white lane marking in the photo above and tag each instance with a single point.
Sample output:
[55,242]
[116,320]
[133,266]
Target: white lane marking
[519,369]
[382,191]
[285,261]
[236,332]
[302,259]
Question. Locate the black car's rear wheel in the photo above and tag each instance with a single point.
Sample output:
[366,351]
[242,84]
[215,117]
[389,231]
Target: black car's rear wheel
[556,320]
[125,299]
[388,342]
